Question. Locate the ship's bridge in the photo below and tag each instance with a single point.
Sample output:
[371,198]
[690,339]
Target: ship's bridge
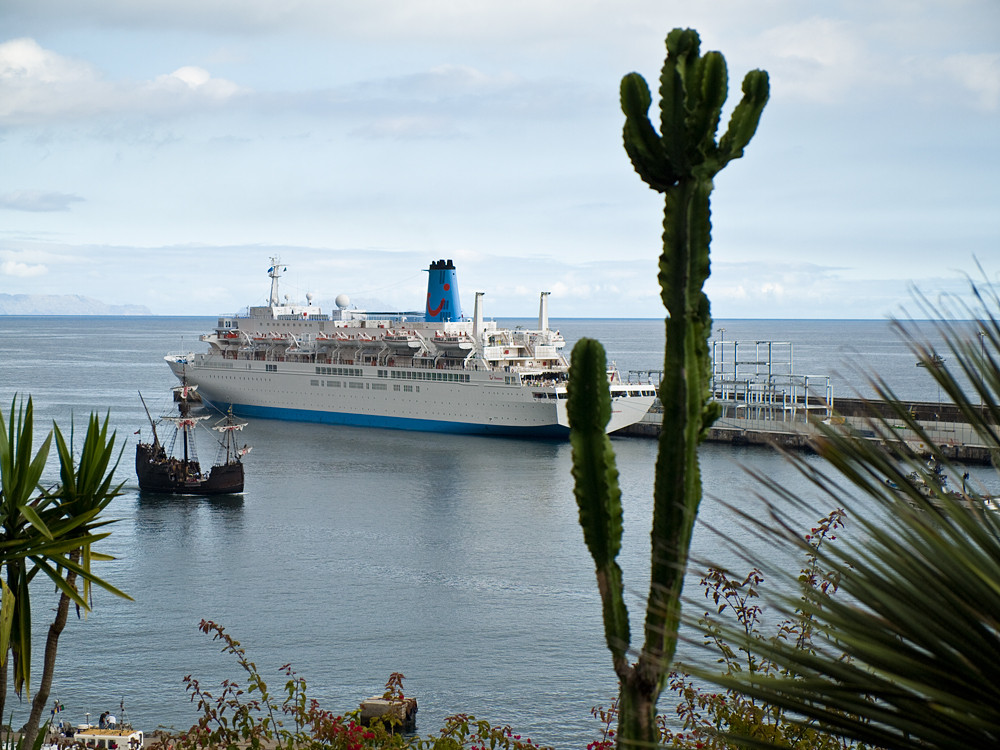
[288,312]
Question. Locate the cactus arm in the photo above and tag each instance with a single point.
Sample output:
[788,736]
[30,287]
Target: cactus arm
[711,86]
[596,487]
[746,116]
[642,142]
[681,44]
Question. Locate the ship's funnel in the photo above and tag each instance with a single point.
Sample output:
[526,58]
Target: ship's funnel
[442,292]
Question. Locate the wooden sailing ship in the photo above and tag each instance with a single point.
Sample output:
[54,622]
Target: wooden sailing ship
[174,468]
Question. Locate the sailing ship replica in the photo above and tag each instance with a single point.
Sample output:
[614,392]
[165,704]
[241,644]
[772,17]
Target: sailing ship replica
[161,469]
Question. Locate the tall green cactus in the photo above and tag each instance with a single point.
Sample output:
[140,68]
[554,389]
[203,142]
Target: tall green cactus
[680,161]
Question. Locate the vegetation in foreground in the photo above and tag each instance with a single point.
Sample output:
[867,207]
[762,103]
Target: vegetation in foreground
[255,717]
[908,655]
[50,531]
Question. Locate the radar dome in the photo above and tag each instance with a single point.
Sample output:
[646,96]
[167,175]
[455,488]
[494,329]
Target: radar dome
[343,301]
[309,298]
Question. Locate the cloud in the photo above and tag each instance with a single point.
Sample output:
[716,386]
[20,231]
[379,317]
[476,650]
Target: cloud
[978,74]
[38,86]
[22,270]
[442,101]
[346,19]
[37,200]
[816,59]
[408,127]
[191,80]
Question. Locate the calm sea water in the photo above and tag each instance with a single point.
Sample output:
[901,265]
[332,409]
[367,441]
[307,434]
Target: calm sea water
[354,553]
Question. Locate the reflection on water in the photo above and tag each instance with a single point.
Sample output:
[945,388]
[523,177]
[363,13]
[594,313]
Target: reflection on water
[154,501]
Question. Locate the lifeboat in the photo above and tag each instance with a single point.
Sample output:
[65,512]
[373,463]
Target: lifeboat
[453,343]
[401,341]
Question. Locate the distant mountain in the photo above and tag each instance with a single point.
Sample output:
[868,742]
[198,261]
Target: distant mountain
[63,304]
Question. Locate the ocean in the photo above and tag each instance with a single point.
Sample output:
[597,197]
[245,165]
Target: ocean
[354,553]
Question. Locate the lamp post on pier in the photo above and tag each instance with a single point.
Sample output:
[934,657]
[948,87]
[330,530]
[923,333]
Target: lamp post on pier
[982,366]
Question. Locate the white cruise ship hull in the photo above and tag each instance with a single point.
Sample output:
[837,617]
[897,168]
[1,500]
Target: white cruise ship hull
[488,404]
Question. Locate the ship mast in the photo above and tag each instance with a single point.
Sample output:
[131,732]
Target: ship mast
[185,422]
[275,273]
[184,407]
[156,438]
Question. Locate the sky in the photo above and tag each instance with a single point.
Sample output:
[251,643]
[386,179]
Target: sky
[160,153]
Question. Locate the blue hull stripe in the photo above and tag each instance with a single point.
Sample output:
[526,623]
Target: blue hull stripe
[392,423]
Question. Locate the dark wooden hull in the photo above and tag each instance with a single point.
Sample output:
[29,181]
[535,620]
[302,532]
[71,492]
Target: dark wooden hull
[160,473]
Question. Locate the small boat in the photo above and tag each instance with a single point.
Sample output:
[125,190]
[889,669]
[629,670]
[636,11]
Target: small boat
[108,739]
[109,734]
[936,360]
[933,485]
[160,469]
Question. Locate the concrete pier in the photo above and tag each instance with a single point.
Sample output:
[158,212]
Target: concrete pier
[943,423]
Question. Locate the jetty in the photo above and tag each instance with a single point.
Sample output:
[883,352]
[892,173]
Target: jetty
[764,402]
[941,422]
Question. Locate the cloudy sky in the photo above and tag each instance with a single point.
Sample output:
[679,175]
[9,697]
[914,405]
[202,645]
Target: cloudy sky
[160,152]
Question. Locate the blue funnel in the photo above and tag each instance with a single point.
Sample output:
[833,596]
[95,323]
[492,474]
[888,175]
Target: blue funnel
[442,292]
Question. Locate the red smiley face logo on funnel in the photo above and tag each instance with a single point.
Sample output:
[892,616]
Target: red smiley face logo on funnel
[436,310]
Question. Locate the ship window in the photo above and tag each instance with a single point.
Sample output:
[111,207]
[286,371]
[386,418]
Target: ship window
[313,382]
[408,388]
[395,386]
[563,395]
[379,387]
[355,385]
[333,384]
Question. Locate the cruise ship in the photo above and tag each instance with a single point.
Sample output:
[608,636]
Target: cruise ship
[433,370]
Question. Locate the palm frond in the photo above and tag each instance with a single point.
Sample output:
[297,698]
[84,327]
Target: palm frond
[907,653]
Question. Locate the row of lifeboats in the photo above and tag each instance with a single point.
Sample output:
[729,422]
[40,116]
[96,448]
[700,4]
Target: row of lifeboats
[401,340]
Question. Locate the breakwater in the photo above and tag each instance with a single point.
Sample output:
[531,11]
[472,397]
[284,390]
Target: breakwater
[796,428]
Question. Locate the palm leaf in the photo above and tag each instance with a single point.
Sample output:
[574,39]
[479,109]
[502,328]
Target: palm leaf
[907,653]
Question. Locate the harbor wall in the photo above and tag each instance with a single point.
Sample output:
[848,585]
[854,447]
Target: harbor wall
[942,423]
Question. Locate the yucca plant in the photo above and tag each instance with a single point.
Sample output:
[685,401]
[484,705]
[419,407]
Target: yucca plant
[907,655]
[49,531]
[79,500]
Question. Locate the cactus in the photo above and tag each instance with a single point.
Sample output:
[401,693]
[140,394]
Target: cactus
[596,486]
[680,161]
